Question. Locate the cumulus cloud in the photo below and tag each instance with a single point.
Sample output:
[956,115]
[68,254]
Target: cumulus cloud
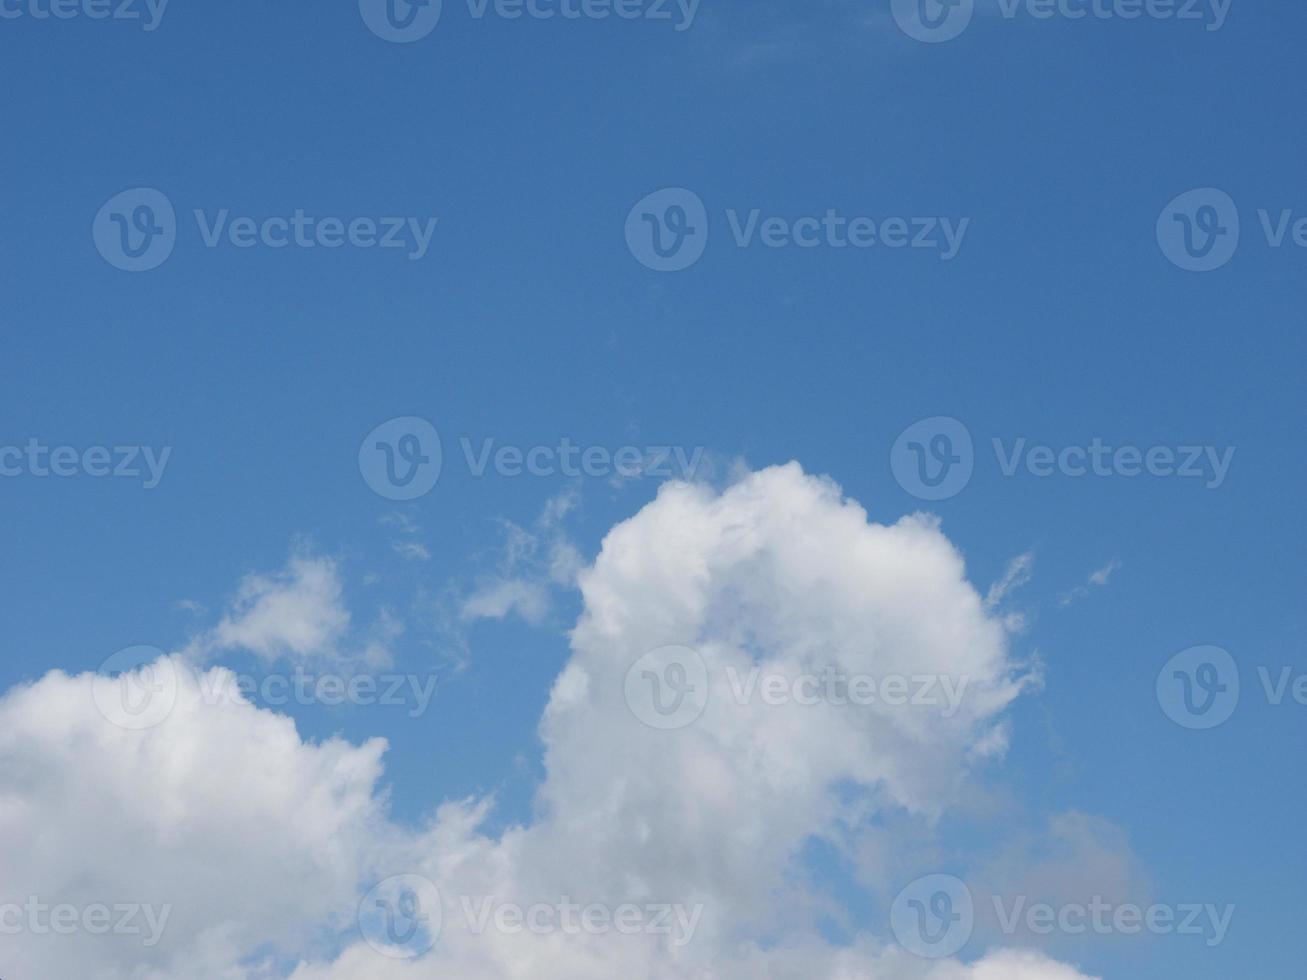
[251,838]
[264,843]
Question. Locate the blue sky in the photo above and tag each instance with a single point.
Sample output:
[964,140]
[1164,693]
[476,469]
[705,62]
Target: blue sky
[529,320]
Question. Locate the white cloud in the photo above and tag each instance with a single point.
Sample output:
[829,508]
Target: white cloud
[1010,965]
[496,598]
[297,612]
[777,570]
[254,837]
[263,842]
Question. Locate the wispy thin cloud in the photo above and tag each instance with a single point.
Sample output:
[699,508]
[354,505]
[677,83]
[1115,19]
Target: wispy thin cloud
[405,546]
[1097,580]
[534,565]
[411,550]
[1018,572]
